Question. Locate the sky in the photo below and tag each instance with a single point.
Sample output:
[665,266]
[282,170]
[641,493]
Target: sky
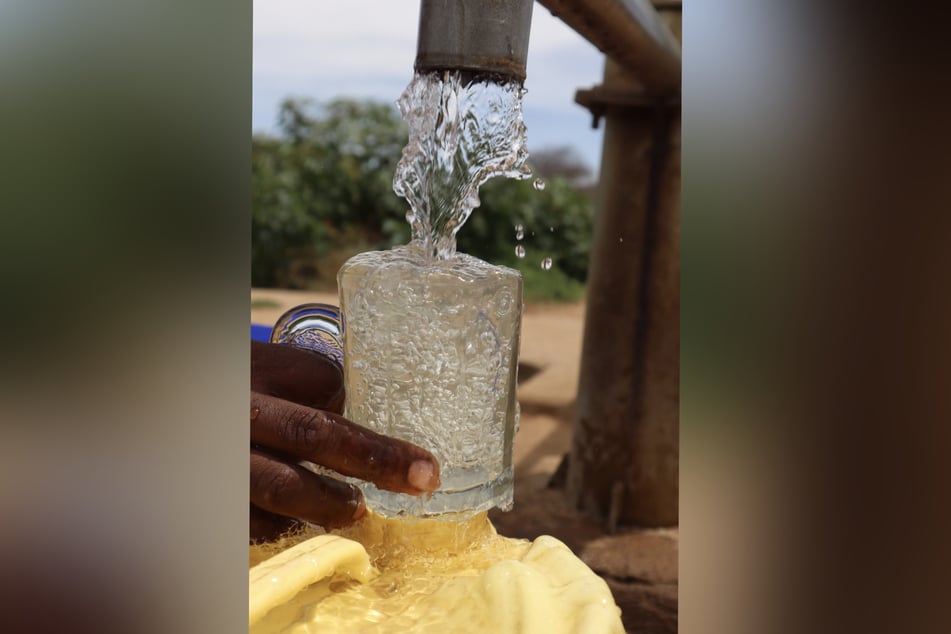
[365,49]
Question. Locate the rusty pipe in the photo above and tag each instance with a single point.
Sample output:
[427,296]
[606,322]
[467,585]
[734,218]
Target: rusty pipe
[479,37]
[631,33]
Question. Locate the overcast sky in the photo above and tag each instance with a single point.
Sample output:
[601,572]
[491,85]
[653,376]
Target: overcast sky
[365,49]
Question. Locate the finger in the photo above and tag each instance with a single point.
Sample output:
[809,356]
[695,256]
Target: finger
[293,491]
[334,442]
[267,527]
[297,375]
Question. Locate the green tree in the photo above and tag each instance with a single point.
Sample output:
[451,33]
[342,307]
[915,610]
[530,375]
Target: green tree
[325,182]
[323,191]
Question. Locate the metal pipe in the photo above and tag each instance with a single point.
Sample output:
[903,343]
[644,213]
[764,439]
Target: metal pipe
[631,33]
[482,37]
[624,464]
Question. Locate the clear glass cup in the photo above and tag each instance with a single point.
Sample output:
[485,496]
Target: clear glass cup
[431,356]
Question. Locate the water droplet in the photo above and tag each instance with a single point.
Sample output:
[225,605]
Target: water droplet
[519,232]
[620,239]
[520,251]
[552,229]
[539,184]
[546,264]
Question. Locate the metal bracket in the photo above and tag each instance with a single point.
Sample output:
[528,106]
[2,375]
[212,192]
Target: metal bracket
[600,99]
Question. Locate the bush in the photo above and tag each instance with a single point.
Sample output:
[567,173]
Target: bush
[323,190]
[326,180]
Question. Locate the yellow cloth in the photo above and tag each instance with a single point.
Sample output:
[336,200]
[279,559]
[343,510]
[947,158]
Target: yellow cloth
[430,576]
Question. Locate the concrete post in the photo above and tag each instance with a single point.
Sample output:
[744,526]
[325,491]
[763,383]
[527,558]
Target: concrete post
[624,461]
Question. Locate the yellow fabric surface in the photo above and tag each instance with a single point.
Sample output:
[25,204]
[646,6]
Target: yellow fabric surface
[428,576]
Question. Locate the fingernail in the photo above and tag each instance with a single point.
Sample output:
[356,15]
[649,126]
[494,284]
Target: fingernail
[422,475]
[361,509]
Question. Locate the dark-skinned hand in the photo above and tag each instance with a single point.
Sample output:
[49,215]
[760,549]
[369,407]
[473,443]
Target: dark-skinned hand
[296,404]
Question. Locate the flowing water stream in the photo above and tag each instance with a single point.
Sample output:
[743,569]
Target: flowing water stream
[461,133]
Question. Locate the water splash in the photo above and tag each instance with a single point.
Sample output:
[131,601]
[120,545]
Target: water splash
[461,133]
[519,232]
[539,185]
[520,251]
[546,264]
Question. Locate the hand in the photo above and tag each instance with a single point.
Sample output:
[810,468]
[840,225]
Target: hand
[296,404]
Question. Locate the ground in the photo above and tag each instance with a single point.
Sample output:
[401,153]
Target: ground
[640,565]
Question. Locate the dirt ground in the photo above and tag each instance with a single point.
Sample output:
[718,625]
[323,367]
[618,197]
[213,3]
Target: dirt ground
[639,565]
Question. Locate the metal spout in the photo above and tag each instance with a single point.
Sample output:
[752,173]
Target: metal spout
[479,37]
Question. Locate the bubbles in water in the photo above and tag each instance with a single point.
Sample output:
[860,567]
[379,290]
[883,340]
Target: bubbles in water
[546,264]
[520,251]
[539,184]
[519,232]
[440,375]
